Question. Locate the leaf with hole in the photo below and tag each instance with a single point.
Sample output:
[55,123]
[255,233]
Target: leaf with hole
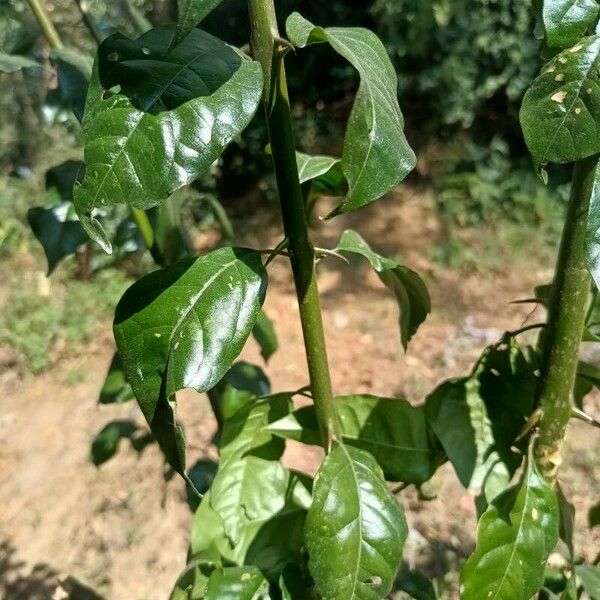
[237,583]
[559,111]
[407,286]
[567,21]
[355,528]
[376,156]
[182,327]
[139,158]
[515,537]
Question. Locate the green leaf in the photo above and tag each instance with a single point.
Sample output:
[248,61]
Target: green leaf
[260,541]
[106,443]
[182,327]
[376,155]
[237,583]
[250,479]
[313,167]
[592,236]
[116,388]
[74,71]
[137,158]
[589,576]
[416,585]
[594,516]
[265,336]
[559,111]
[191,584]
[239,385]
[58,230]
[355,528]
[458,416]
[11,63]
[392,430]
[515,537]
[408,287]
[190,13]
[567,520]
[567,21]
[156,77]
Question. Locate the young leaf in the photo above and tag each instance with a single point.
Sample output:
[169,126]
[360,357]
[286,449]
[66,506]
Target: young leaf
[237,583]
[408,287]
[392,430]
[592,236]
[106,443]
[567,21]
[116,388]
[190,13]
[313,167]
[138,158]
[355,528]
[559,111]
[265,335]
[182,327]
[376,154]
[515,537]
[11,63]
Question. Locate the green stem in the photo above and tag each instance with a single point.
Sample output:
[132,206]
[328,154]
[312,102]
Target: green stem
[45,24]
[141,219]
[566,320]
[267,48]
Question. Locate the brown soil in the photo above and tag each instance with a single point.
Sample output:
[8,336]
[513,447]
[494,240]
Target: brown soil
[123,531]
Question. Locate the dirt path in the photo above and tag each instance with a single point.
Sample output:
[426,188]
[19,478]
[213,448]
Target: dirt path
[123,531]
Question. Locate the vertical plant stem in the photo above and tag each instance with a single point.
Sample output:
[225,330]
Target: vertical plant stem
[45,24]
[143,223]
[269,49]
[566,320]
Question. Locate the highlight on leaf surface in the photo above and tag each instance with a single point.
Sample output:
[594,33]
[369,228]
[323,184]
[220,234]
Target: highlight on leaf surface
[376,156]
[150,136]
[182,327]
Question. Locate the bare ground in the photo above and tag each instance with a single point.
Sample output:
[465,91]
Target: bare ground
[123,531]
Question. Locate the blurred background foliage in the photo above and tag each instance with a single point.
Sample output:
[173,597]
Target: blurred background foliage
[463,67]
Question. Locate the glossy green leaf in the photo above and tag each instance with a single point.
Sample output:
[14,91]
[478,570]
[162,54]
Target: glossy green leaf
[265,335]
[191,584]
[355,528]
[190,13]
[376,154]
[137,158]
[559,111]
[116,389]
[250,479]
[567,21]
[592,236]
[74,71]
[11,63]
[106,443]
[589,576]
[182,327]
[313,167]
[515,537]
[392,430]
[237,583]
[156,77]
[459,418]
[408,287]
